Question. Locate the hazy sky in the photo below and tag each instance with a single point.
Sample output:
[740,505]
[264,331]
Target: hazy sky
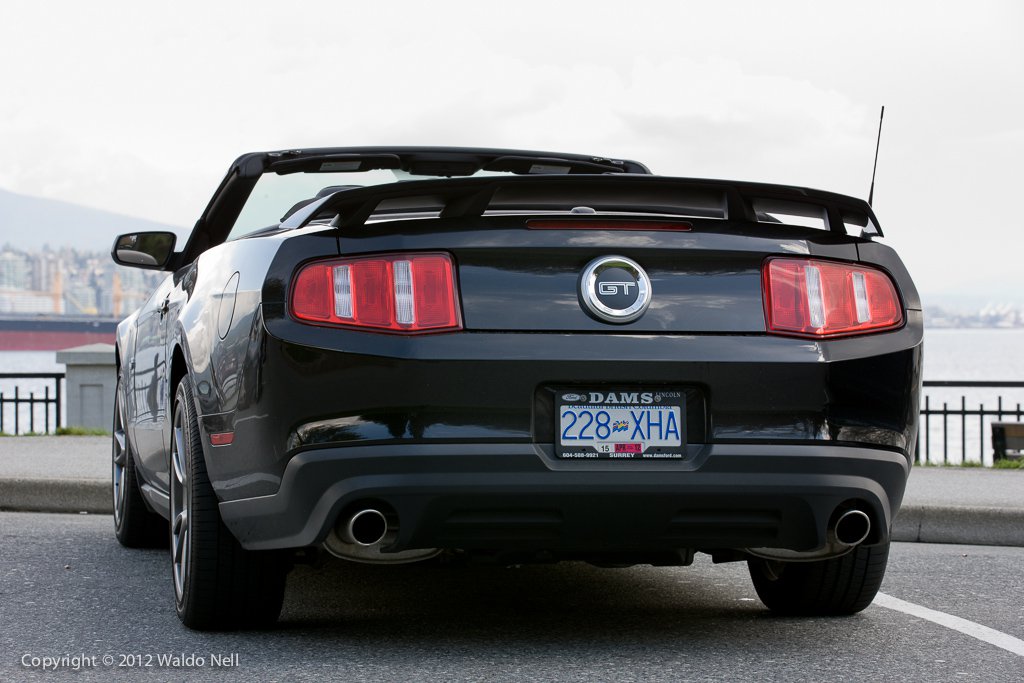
[139,108]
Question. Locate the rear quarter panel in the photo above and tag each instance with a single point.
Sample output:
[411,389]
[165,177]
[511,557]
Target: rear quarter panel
[219,328]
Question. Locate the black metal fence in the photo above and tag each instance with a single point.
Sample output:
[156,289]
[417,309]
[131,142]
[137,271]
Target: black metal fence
[958,433]
[18,410]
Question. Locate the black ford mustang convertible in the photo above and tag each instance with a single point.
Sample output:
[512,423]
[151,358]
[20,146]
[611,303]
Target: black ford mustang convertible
[394,354]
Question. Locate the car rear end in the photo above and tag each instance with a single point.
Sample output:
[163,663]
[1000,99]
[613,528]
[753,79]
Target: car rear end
[448,379]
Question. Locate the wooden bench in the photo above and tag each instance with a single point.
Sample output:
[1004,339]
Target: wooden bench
[1007,440]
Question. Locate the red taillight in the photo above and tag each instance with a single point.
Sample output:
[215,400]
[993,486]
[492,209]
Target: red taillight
[397,292]
[807,297]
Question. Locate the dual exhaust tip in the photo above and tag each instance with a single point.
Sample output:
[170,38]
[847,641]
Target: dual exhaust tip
[367,527]
[366,534]
[847,529]
[851,528]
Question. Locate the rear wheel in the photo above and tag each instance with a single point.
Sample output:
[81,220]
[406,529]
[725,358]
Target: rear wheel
[135,525]
[841,585]
[217,583]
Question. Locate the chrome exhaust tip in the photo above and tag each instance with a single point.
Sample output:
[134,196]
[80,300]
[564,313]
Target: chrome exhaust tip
[365,528]
[364,535]
[852,527]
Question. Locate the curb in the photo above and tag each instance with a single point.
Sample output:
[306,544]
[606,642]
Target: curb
[966,525]
[56,495]
[914,523]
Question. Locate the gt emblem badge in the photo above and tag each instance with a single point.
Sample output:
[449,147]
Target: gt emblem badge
[615,289]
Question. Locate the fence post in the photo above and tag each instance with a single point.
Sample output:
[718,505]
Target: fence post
[59,404]
[927,429]
[963,430]
[945,433]
[981,433]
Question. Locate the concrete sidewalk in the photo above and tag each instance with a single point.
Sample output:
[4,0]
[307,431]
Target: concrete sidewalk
[942,505]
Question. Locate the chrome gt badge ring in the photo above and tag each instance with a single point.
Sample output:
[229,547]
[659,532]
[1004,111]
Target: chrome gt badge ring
[615,289]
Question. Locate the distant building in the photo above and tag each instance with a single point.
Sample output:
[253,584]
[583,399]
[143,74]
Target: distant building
[15,270]
[66,281]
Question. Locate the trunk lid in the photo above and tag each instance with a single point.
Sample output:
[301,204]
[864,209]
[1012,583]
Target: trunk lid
[515,279]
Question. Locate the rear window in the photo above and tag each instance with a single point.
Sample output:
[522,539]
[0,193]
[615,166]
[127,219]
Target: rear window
[275,196]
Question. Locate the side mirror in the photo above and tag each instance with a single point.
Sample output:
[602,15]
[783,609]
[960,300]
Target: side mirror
[150,250]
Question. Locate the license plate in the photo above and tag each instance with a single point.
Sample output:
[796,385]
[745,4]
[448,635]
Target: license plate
[625,424]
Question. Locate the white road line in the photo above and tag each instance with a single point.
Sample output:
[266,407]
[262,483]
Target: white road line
[969,628]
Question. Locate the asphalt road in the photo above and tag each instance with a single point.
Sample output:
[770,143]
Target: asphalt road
[67,588]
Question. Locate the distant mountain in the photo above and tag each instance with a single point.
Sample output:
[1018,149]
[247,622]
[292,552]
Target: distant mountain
[30,222]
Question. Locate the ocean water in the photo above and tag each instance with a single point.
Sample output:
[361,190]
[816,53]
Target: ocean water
[950,354]
[975,354]
[978,355]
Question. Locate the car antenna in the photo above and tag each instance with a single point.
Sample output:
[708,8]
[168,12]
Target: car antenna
[878,142]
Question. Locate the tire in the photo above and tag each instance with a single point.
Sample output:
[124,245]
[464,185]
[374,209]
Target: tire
[135,525]
[839,586]
[217,583]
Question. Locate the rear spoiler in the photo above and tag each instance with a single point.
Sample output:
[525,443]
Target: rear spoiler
[691,197]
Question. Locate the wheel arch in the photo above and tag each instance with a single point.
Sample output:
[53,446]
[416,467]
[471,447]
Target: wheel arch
[181,366]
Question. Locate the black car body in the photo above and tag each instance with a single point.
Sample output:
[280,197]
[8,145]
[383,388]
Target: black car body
[324,408]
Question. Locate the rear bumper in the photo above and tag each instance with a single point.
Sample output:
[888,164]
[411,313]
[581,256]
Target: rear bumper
[517,497]
[313,388]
